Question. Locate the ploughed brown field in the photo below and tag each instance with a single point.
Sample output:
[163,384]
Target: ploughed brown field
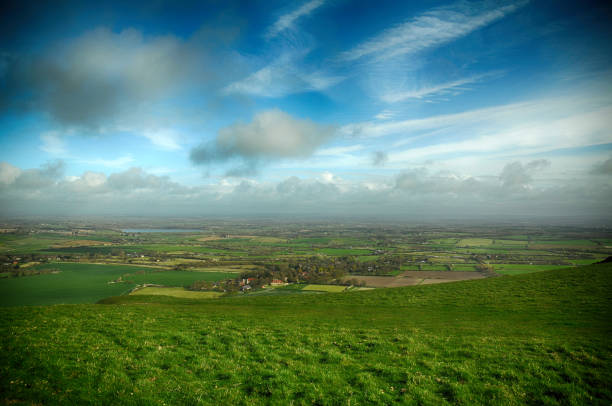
[410,278]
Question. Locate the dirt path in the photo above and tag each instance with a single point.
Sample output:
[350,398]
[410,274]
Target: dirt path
[410,278]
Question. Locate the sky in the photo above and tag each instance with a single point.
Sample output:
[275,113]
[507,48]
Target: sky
[407,110]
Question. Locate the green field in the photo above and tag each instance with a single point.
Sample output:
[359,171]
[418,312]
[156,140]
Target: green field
[343,251]
[88,283]
[541,338]
[176,292]
[517,269]
[474,242]
[325,288]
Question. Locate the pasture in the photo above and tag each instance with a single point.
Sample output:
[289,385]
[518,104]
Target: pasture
[540,338]
[325,288]
[175,292]
[88,283]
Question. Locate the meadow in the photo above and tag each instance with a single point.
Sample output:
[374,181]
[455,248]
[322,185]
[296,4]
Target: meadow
[88,283]
[539,338]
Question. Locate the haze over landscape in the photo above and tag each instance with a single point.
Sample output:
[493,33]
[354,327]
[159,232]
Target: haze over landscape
[406,110]
[306,202]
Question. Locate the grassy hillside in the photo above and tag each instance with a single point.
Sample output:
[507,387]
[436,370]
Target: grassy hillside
[540,338]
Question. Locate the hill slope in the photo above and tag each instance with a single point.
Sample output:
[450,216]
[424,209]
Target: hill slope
[536,338]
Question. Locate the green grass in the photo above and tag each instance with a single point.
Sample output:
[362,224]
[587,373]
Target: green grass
[325,288]
[176,292]
[88,283]
[342,251]
[517,269]
[368,258]
[541,338]
[475,242]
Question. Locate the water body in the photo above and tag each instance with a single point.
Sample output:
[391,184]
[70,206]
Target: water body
[160,230]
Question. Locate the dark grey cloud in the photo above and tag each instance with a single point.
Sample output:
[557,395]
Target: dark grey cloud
[379,158]
[420,182]
[602,168]
[136,178]
[92,79]
[516,175]
[104,80]
[272,134]
[40,178]
[297,188]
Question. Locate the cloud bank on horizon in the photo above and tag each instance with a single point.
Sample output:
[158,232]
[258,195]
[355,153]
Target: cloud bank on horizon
[404,110]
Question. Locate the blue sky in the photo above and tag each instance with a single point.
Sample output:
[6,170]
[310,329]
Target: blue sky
[408,109]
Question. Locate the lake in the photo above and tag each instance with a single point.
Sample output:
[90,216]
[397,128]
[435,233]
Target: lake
[160,230]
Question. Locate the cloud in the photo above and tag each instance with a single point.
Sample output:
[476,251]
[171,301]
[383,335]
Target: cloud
[420,182]
[516,175]
[281,78]
[53,144]
[8,173]
[415,194]
[517,129]
[135,178]
[163,138]
[104,81]
[431,29]
[602,168]
[120,162]
[273,134]
[339,150]
[379,158]
[287,21]
[95,77]
[434,90]
[32,179]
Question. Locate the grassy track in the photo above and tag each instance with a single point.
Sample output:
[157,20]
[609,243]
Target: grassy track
[541,338]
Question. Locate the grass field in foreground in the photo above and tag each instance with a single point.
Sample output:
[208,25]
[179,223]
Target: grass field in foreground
[541,338]
[176,292]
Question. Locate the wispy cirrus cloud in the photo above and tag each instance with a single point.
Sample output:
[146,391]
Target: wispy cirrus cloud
[280,79]
[431,29]
[518,129]
[287,21]
[440,89]
[120,162]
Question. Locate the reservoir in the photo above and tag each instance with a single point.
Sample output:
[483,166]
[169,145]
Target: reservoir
[160,230]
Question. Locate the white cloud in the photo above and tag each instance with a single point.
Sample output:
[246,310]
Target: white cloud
[521,138]
[446,88]
[431,29]
[120,162]
[280,79]
[287,21]
[272,134]
[53,144]
[163,138]
[339,150]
